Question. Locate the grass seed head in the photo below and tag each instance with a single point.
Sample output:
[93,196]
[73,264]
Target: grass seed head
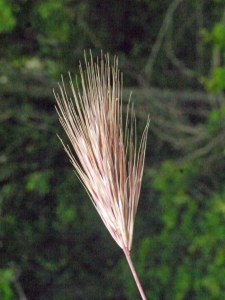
[108,161]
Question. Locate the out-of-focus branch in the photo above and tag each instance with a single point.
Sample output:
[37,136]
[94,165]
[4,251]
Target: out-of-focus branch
[19,290]
[177,117]
[180,119]
[81,21]
[170,41]
[162,32]
[177,62]
[210,145]
[216,53]
[15,281]
[199,41]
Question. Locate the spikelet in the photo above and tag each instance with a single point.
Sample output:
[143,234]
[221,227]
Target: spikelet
[107,160]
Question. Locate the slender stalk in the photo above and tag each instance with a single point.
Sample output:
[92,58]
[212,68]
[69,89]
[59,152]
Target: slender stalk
[108,160]
[127,254]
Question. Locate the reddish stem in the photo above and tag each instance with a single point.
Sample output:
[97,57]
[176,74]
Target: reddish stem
[127,254]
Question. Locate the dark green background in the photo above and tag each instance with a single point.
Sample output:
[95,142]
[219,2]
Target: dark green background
[53,244]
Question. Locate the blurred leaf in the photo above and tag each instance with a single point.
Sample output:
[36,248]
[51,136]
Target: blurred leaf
[39,181]
[7,19]
[6,277]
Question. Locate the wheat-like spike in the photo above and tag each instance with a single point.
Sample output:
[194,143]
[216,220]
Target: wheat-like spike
[108,160]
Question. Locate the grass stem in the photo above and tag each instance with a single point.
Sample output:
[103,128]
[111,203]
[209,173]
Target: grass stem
[127,254]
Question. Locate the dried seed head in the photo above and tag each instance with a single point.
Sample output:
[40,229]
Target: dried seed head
[107,160]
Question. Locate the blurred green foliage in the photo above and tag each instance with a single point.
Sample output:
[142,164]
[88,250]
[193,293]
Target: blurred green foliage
[216,82]
[216,38]
[6,276]
[7,18]
[186,260]
[49,228]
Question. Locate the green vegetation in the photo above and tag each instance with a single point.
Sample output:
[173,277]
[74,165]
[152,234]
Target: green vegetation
[53,244]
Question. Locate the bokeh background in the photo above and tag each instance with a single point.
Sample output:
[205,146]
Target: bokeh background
[53,244]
